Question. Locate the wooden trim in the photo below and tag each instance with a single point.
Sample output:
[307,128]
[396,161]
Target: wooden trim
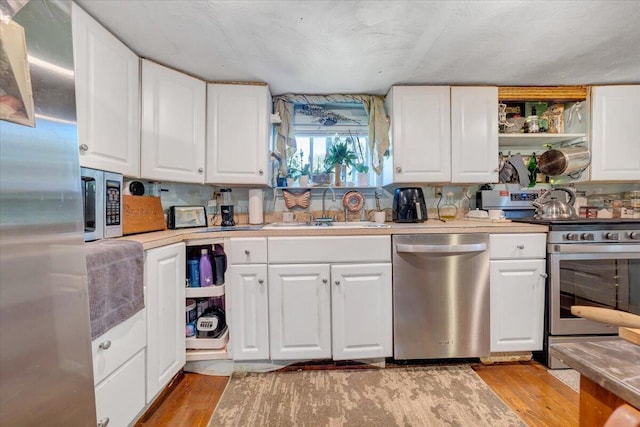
[543,93]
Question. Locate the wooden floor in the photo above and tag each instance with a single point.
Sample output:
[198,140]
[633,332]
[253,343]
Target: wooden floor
[536,396]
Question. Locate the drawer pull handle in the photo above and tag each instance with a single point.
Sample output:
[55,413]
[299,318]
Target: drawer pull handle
[105,346]
[246,252]
[260,281]
[103,422]
[324,280]
[520,246]
[338,282]
[261,172]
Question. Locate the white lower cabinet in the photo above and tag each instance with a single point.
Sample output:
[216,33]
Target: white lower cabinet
[300,311]
[517,276]
[164,277]
[120,397]
[249,317]
[341,308]
[119,371]
[361,312]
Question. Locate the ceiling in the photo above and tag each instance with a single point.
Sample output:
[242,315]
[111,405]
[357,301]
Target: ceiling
[335,46]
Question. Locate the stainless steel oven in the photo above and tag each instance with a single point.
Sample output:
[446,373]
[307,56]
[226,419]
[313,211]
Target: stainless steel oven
[595,263]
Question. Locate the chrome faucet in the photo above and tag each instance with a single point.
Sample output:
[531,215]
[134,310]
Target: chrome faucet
[333,199]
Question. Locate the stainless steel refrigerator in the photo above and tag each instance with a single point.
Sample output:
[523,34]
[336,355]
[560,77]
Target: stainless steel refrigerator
[46,374]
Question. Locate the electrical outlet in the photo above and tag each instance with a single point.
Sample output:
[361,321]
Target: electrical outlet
[438,191]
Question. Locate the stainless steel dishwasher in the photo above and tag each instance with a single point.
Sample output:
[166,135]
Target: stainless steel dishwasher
[441,296]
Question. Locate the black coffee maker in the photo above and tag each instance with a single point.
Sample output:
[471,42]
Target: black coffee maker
[226,208]
[409,205]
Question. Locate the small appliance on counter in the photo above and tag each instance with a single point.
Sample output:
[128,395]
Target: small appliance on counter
[186,217]
[409,205]
[226,208]
[211,323]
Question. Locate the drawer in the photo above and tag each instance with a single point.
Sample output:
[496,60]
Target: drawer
[120,397]
[247,250]
[335,249]
[514,246]
[124,340]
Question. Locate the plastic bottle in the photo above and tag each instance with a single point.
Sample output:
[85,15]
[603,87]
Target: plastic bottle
[206,272]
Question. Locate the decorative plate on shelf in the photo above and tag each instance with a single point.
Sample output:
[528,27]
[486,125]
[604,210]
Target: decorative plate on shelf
[353,201]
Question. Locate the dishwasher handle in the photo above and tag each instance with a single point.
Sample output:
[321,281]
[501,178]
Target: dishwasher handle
[441,249]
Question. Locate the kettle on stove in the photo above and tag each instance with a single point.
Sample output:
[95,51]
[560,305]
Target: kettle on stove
[409,205]
[555,209]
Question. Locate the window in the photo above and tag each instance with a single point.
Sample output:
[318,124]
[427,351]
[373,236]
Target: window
[318,127]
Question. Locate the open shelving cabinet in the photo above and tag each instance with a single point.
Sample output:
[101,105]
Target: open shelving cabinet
[206,348]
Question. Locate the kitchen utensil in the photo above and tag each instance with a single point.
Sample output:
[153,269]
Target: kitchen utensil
[353,201]
[141,214]
[523,172]
[629,324]
[554,209]
[564,161]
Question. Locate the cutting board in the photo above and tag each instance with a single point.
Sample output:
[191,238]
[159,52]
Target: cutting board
[629,323]
[141,214]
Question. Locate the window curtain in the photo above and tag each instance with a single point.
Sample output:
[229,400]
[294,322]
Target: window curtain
[373,105]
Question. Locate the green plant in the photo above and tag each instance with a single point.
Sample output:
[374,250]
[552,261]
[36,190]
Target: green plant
[306,170]
[339,154]
[361,167]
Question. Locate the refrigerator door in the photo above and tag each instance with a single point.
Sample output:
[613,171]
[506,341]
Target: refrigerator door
[45,346]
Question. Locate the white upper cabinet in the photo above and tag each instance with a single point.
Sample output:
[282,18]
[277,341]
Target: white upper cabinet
[474,134]
[238,134]
[173,125]
[107,98]
[615,133]
[420,133]
[442,134]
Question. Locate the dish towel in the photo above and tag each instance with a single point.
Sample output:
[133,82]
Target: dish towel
[115,279]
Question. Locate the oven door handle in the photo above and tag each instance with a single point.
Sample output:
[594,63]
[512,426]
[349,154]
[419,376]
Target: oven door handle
[441,249]
[593,248]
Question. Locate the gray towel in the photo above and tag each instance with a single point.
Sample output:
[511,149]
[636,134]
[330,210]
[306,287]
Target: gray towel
[115,278]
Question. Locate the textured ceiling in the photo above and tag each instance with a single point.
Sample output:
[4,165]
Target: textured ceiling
[322,47]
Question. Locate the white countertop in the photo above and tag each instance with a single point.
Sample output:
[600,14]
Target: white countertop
[161,238]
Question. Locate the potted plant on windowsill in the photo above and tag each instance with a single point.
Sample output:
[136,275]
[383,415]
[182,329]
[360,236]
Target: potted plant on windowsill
[339,156]
[362,174]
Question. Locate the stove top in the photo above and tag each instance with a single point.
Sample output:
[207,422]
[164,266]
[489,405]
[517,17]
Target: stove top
[581,223]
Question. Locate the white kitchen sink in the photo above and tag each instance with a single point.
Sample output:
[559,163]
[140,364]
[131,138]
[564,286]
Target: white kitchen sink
[328,226]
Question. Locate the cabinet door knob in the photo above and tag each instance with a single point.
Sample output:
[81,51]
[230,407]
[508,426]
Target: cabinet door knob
[84,147]
[398,169]
[338,282]
[200,170]
[324,280]
[260,281]
[496,170]
[103,422]
[247,252]
[261,172]
[544,275]
[105,345]
[520,246]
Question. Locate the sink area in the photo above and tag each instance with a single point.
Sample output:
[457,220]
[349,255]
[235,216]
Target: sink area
[321,225]
[233,228]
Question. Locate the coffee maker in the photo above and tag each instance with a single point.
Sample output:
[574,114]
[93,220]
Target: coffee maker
[226,208]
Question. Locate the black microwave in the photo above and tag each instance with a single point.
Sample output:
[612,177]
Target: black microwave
[102,204]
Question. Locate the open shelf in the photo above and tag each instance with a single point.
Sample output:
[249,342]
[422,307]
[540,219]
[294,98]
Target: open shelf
[204,292]
[194,343]
[542,139]
[195,355]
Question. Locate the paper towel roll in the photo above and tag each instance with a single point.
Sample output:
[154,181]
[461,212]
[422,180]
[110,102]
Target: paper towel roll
[256,214]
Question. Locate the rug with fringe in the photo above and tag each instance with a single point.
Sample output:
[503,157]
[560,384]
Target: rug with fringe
[406,396]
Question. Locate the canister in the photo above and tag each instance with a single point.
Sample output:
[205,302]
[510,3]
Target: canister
[563,161]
